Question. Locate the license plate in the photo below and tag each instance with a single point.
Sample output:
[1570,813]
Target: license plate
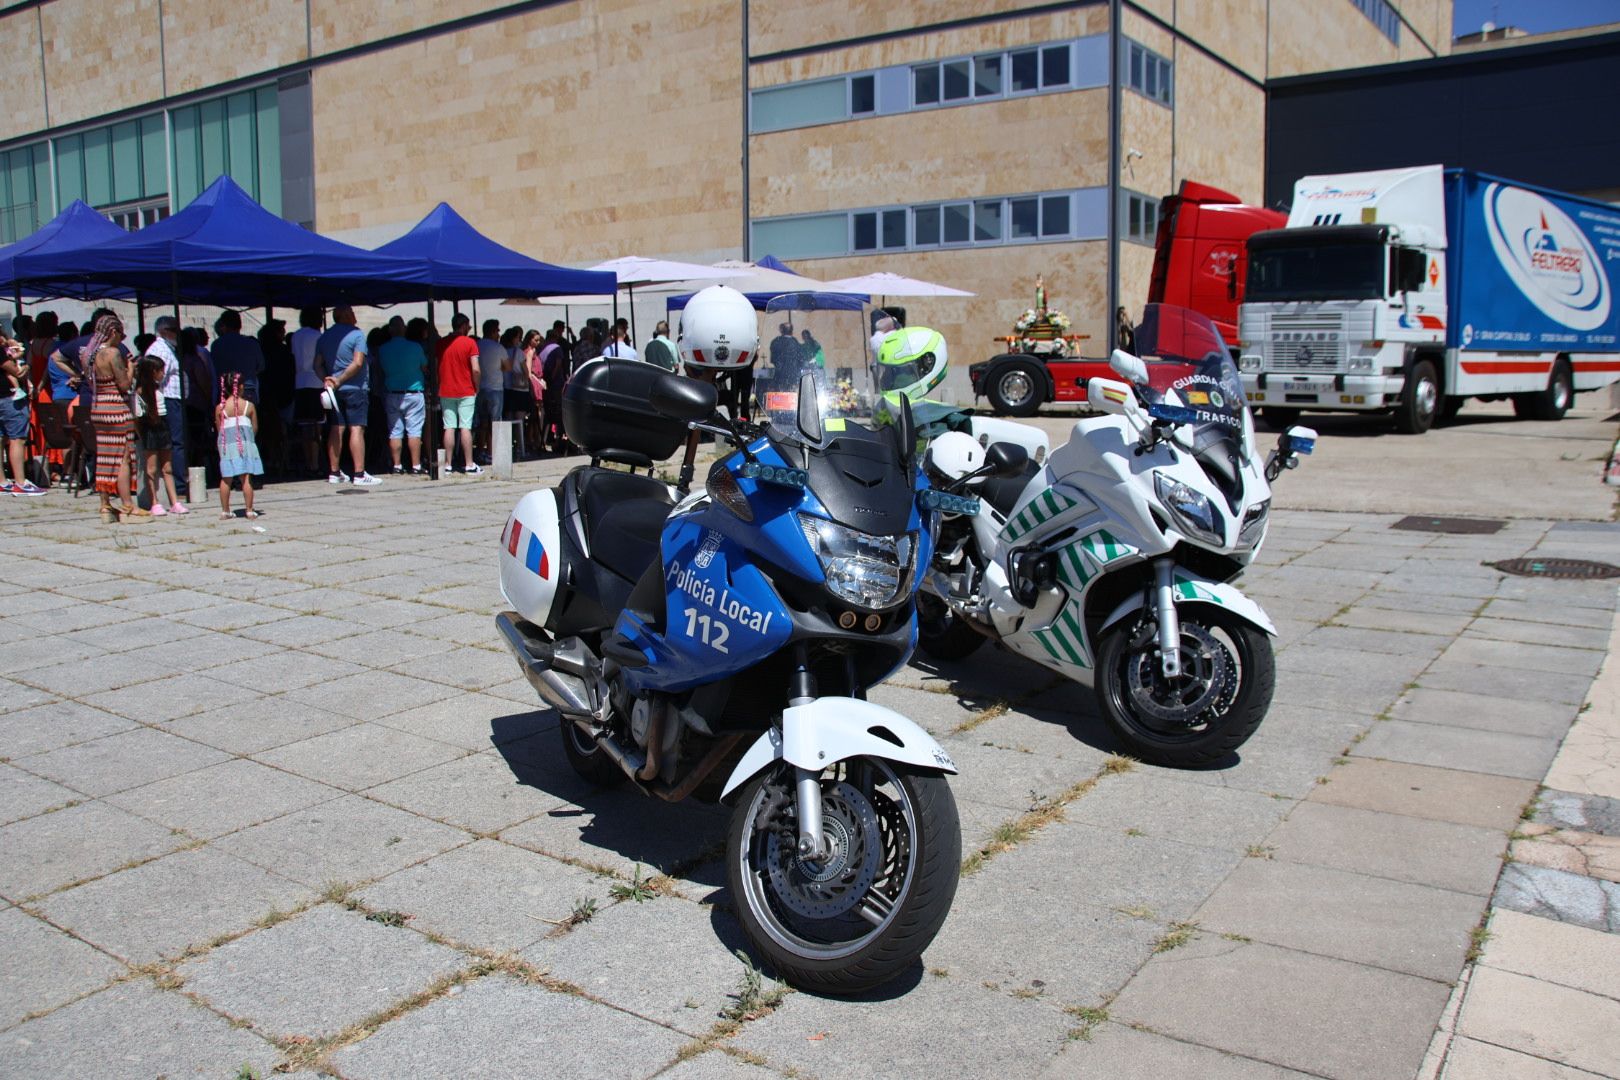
[1315,386]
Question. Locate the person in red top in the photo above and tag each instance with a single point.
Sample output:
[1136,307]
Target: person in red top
[458,391]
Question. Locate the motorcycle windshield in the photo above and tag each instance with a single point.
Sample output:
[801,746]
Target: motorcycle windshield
[820,334]
[1188,364]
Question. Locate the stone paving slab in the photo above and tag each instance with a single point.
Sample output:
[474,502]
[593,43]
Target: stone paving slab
[163,700]
[497,1028]
[1554,952]
[489,895]
[1492,752]
[1574,1028]
[474,721]
[133,1030]
[1389,924]
[1159,804]
[1460,858]
[1497,681]
[23,795]
[1470,1059]
[372,695]
[123,761]
[44,967]
[360,756]
[989,1033]
[222,798]
[1539,633]
[622,830]
[1466,798]
[159,909]
[1122,1053]
[318,973]
[1292,1009]
[1542,719]
[477,792]
[47,852]
[1559,894]
[253,724]
[350,840]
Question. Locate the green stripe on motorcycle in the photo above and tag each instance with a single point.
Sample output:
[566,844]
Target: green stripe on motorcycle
[1042,637]
[1073,568]
[1073,654]
[1072,625]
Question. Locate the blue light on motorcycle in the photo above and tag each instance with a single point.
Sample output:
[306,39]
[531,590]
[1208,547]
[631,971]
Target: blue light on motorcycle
[1175,414]
[946,503]
[1298,441]
[780,475]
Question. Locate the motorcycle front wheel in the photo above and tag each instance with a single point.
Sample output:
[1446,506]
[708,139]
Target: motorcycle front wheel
[1200,716]
[859,917]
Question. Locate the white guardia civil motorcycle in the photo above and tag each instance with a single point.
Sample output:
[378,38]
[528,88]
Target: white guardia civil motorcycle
[1112,564]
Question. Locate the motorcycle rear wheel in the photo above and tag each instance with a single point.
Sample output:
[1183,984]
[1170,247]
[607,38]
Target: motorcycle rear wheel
[856,920]
[1238,672]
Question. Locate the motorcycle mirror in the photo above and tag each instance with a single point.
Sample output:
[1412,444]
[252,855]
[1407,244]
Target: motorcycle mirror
[1129,366]
[905,428]
[809,409]
[683,399]
[1108,395]
[1005,459]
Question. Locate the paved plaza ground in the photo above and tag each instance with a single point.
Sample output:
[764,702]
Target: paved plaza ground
[279,799]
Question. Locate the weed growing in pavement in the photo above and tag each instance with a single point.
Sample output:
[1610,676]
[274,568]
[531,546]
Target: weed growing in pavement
[939,973]
[1138,912]
[1134,831]
[1117,763]
[983,716]
[1477,937]
[247,1072]
[1043,812]
[1259,851]
[1179,934]
[336,892]
[639,889]
[1089,1017]
[584,911]
[752,999]
[1229,936]
[388,918]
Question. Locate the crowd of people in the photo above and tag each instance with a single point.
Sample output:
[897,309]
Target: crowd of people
[328,399]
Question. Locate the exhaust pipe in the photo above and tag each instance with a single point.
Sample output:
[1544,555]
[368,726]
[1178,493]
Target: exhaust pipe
[564,692]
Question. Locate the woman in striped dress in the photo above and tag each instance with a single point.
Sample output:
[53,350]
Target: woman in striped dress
[109,413]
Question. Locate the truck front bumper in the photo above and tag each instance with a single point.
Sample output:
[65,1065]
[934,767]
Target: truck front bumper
[1285,390]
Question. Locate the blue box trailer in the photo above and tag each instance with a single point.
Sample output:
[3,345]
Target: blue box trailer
[1411,290]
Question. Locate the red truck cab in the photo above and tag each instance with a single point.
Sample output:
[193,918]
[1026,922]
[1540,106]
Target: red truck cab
[1200,257]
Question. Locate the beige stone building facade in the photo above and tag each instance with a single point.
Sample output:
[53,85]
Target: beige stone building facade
[976,143]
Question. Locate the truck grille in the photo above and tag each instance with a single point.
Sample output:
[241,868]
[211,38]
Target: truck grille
[1305,343]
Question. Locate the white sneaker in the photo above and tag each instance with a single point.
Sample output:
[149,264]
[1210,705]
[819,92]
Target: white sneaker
[473,470]
[365,479]
[339,477]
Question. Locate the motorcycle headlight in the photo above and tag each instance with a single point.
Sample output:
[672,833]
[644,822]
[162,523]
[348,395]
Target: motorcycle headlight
[1191,509]
[870,572]
[1254,523]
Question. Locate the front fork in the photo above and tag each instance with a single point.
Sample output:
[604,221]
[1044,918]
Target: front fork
[1164,589]
[812,844]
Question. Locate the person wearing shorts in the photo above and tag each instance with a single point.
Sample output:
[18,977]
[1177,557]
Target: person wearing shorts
[403,363]
[342,352]
[458,392]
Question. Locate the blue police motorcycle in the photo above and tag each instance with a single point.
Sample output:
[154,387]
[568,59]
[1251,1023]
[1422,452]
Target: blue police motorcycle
[721,646]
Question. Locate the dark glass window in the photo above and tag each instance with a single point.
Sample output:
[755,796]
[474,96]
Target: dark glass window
[956,80]
[987,220]
[925,225]
[1024,219]
[987,76]
[862,94]
[958,217]
[1055,65]
[1026,72]
[894,228]
[1055,215]
[866,232]
[925,85]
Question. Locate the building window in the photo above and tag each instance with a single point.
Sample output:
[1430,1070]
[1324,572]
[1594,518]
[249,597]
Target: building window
[139,215]
[1064,215]
[237,136]
[1070,65]
[1148,73]
[1141,218]
[1383,16]
[25,191]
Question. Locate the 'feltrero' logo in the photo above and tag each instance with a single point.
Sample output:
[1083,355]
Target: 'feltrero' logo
[1547,256]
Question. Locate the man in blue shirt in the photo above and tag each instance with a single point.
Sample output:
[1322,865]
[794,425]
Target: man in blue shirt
[236,353]
[403,363]
[340,354]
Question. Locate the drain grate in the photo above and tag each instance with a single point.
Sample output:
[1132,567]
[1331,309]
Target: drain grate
[1474,526]
[1562,569]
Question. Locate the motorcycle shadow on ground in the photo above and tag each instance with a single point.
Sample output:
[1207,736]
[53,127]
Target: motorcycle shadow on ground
[995,681]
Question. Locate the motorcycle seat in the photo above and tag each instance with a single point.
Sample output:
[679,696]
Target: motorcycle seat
[624,517]
[1002,492]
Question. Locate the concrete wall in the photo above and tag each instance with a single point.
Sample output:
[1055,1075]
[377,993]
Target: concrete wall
[780,25]
[22,91]
[100,56]
[207,42]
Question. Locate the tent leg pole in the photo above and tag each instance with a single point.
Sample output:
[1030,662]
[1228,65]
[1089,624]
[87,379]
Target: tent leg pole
[140,316]
[632,315]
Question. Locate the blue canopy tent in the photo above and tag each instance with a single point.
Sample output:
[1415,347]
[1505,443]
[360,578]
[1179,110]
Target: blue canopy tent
[464,264]
[77,226]
[224,250]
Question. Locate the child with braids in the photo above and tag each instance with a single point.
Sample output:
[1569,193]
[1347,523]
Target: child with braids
[237,421]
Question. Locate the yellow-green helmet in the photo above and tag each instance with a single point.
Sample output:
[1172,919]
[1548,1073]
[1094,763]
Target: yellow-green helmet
[911,361]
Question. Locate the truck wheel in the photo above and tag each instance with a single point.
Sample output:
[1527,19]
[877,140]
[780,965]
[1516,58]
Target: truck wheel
[1279,419]
[1016,389]
[1551,403]
[1420,400]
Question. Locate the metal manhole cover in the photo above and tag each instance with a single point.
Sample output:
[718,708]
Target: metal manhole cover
[1423,523]
[1562,569]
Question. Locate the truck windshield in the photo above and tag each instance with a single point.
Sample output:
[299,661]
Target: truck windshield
[1317,271]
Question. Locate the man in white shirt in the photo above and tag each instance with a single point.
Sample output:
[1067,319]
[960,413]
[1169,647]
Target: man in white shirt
[165,346]
[308,412]
[620,348]
[493,364]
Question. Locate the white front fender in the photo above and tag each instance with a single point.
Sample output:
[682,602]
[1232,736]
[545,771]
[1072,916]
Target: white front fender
[832,729]
[1192,588]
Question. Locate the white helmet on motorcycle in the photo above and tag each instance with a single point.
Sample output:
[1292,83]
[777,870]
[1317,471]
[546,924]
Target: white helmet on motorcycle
[954,455]
[719,330]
